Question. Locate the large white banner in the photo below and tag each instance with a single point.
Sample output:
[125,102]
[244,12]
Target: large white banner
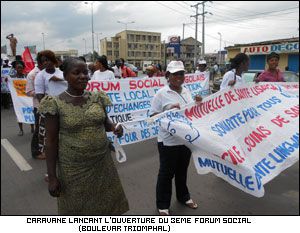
[246,136]
[23,104]
[131,100]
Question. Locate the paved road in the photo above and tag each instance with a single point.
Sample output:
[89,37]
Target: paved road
[25,192]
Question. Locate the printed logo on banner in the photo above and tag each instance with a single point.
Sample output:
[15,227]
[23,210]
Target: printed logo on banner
[20,86]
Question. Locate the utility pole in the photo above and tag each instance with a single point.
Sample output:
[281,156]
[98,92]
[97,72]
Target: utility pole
[203,25]
[183,31]
[196,32]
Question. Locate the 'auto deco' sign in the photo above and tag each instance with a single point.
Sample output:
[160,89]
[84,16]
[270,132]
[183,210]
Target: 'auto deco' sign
[266,49]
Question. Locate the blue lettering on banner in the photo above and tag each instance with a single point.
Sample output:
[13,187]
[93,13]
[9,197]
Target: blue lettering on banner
[279,155]
[193,86]
[114,97]
[5,71]
[145,133]
[269,103]
[227,125]
[27,110]
[131,106]
[137,95]
[247,182]
[28,114]
[128,138]
[250,114]
[29,118]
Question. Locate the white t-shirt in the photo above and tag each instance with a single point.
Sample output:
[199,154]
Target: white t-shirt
[103,76]
[117,71]
[160,102]
[230,76]
[41,82]
[30,85]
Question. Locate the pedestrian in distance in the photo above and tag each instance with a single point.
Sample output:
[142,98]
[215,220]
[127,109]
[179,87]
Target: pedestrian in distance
[126,71]
[150,71]
[6,63]
[233,77]
[86,181]
[174,156]
[13,43]
[272,74]
[103,72]
[117,69]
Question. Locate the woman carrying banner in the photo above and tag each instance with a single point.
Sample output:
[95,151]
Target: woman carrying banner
[239,64]
[20,75]
[174,156]
[86,181]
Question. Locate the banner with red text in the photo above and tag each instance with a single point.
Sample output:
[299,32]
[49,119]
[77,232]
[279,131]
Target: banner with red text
[245,135]
[131,102]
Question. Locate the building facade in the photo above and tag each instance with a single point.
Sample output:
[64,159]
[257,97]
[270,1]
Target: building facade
[288,49]
[64,54]
[187,52]
[134,46]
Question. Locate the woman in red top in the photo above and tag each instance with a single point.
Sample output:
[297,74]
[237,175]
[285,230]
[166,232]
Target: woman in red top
[126,71]
[272,74]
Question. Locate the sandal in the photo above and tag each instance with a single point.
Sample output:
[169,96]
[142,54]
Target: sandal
[21,133]
[164,212]
[191,204]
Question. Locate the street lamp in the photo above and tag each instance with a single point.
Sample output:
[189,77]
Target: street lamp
[220,46]
[98,33]
[43,40]
[125,23]
[92,27]
[84,45]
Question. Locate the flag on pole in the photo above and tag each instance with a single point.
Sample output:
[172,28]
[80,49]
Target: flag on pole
[27,58]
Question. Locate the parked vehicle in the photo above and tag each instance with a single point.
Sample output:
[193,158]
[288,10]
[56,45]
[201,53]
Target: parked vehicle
[145,65]
[251,75]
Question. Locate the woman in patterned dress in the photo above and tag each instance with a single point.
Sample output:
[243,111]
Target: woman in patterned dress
[81,171]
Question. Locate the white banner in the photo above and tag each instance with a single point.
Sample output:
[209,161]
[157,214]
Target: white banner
[23,104]
[4,79]
[131,100]
[246,135]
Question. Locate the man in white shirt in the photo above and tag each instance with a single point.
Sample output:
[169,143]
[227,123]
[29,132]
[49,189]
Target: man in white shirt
[117,69]
[30,91]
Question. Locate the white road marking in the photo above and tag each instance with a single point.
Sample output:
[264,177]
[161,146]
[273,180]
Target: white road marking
[15,155]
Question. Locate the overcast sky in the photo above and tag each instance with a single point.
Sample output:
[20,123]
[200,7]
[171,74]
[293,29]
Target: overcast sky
[65,24]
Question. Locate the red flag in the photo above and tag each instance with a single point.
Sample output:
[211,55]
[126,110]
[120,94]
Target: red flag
[28,61]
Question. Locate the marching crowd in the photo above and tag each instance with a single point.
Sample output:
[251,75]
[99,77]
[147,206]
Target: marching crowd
[70,129]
